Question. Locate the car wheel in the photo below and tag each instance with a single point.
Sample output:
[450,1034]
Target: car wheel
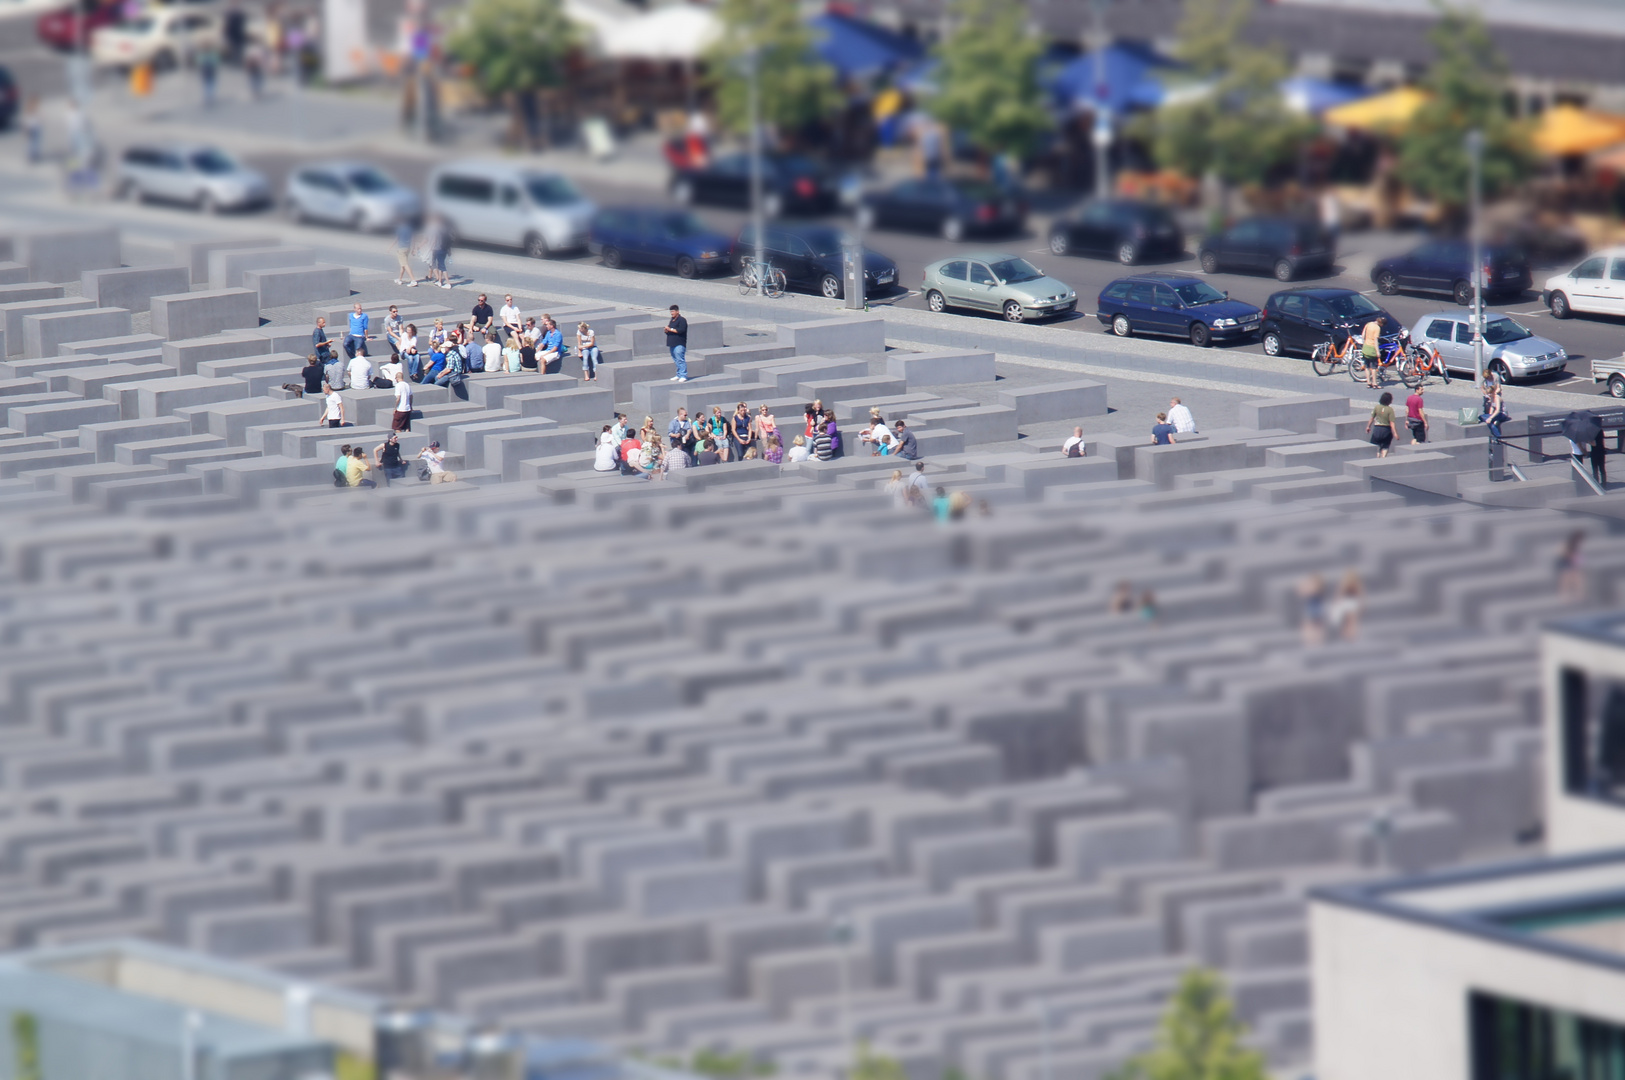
[1013,312]
[772,204]
[1272,344]
[1200,336]
[1210,263]
[1616,385]
[1560,306]
[866,217]
[1121,326]
[1057,242]
[1283,271]
[1464,293]
[1501,372]
[953,230]
[830,286]
[682,193]
[686,267]
[1387,283]
[612,258]
[936,301]
[536,247]
[1127,253]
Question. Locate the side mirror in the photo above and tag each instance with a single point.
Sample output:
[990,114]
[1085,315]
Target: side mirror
[1227,294]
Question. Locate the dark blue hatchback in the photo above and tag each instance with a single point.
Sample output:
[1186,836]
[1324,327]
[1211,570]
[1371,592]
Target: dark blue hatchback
[676,239]
[1177,305]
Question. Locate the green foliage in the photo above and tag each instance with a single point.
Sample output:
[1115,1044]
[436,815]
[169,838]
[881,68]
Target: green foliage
[514,46]
[797,88]
[25,1039]
[1241,129]
[872,1066]
[723,1066]
[348,1066]
[1199,1038]
[987,77]
[1467,81]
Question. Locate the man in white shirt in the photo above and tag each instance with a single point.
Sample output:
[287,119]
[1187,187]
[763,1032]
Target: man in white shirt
[1073,447]
[512,320]
[332,409]
[435,459]
[402,420]
[1179,416]
[360,372]
[391,369]
[492,353]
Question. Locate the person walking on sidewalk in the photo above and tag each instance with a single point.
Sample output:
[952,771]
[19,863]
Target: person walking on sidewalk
[403,254]
[439,241]
[1380,428]
[1415,418]
[677,342]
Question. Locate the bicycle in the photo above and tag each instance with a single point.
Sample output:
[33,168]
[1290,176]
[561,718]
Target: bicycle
[772,283]
[1391,353]
[1422,360]
[1327,355]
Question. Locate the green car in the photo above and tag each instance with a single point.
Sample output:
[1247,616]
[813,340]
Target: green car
[990,281]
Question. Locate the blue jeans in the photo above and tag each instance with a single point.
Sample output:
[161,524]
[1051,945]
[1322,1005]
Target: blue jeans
[679,356]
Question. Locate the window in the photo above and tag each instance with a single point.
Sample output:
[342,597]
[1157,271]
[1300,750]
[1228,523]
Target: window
[1141,294]
[1291,304]
[1591,268]
[1616,270]
[369,181]
[1591,712]
[1097,214]
[955,271]
[737,165]
[1503,331]
[467,188]
[1317,312]
[1199,292]
[1516,1040]
[212,163]
[1464,333]
[510,195]
[1352,306]
[1117,290]
[552,191]
[141,156]
[1164,297]
[1439,330]
[1015,271]
[981,275]
[1248,232]
[777,240]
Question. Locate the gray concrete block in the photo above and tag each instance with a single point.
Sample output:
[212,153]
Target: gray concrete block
[1055,401]
[1161,464]
[117,495]
[104,438]
[231,419]
[582,405]
[37,290]
[785,375]
[1298,412]
[977,423]
[113,346]
[200,314]
[12,273]
[1089,846]
[284,286]
[194,254]
[161,397]
[1326,456]
[92,382]
[848,335]
[248,480]
[17,311]
[941,367]
[649,338]
[145,450]
[59,416]
[133,287]
[1053,470]
[490,391]
[185,356]
[227,265]
[830,391]
[653,398]
[64,254]
[1093,944]
[697,396]
[44,333]
[504,452]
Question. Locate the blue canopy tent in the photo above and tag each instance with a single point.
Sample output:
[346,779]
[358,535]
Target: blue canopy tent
[1314,96]
[1119,76]
[856,49]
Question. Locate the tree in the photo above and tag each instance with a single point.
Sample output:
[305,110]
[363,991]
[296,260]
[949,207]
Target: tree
[1241,129]
[514,48]
[872,1066]
[1466,81]
[987,78]
[796,87]
[1199,1038]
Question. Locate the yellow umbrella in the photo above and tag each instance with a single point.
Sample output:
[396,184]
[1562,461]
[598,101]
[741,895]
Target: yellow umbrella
[1567,129]
[1392,109]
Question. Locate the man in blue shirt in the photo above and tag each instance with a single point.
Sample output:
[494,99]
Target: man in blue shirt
[1162,432]
[551,346]
[356,340]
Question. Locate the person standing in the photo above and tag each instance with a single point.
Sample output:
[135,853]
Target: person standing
[439,248]
[1380,428]
[34,127]
[765,428]
[1571,580]
[739,430]
[1370,335]
[402,420]
[1599,461]
[208,69]
[1180,416]
[587,346]
[677,342]
[1162,432]
[355,337]
[332,409]
[1416,418]
[678,430]
[403,254]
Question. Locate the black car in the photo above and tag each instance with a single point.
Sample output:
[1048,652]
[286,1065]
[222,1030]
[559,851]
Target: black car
[1122,229]
[1446,266]
[8,99]
[790,185]
[810,256]
[1285,247]
[1296,320]
[950,208]
[1176,304]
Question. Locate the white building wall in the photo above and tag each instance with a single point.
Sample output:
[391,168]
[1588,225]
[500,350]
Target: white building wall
[1575,825]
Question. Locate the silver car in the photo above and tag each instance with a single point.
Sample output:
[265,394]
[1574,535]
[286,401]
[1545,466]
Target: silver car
[994,281]
[1511,349]
[350,193]
[200,176]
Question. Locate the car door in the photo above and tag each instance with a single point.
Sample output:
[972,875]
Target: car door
[1317,325]
[172,179]
[982,290]
[1613,286]
[778,245]
[1096,230]
[800,266]
[1587,293]
[1443,334]
[468,200]
[1166,309]
[952,282]
[333,201]
[1410,268]
[1138,304]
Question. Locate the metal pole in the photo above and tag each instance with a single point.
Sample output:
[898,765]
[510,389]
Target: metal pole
[1102,134]
[840,931]
[757,224]
[1475,154]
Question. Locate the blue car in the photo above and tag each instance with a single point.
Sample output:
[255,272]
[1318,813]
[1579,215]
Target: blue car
[622,236]
[1177,305]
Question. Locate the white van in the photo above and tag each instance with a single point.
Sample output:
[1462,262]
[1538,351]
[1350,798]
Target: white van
[498,203]
[1595,287]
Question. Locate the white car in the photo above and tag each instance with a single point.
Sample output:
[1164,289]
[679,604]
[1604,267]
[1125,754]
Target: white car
[165,37]
[1596,286]
[350,193]
[510,205]
[199,176]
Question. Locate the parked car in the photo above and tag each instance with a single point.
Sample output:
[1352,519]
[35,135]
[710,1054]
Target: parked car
[494,202]
[199,176]
[1284,247]
[1296,320]
[811,258]
[1511,349]
[1122,229]
[1176,304]
[674,239]
[790,184]
[70,27]
[8,99]
[1612,372]
[164,37]
[350,193]
[996,281]
[950,208]
[1595,287]
[1445,266]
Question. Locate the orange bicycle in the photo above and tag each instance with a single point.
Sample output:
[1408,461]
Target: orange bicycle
[1328,354]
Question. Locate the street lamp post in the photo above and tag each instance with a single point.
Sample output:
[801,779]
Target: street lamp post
[1475,157]
[1102,133]
[191,1020]
[757,224]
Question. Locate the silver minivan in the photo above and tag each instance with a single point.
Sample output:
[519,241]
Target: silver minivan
[199,176]
[512,206]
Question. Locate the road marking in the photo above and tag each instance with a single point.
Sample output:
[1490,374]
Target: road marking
[1369,292]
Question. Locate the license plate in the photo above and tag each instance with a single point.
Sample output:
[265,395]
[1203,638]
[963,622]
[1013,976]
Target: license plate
[886,279]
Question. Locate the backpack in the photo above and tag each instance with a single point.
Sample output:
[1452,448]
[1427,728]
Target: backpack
[340,479]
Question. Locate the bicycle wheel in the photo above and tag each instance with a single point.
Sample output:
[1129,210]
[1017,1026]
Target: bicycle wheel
[1444,372]
[1356,365]
[775,283]
[1409,373]
[747,279]
[1322,360]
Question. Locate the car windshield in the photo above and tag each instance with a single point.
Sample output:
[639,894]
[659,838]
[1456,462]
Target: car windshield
[369,181]
[142,25]
[682,225]
[1503,330]
[552,190]
[1351,305]
[823,241]
[1013,271]
[212,162]
[1198,292]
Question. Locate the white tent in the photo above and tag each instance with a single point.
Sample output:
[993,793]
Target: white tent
[677,32]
